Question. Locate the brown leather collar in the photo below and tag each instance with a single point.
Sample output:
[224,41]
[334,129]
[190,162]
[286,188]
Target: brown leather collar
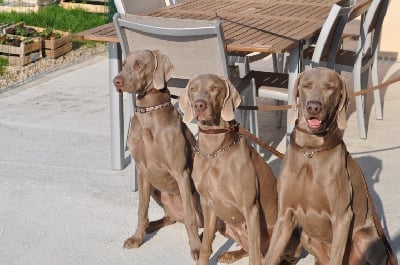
[234,127]
[230,129]
[309,152]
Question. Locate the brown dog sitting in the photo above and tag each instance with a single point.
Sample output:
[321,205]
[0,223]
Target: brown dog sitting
[160,144]
[321,187]
[234,182]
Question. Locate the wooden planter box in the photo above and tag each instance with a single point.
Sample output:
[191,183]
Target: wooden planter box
[24,54]
[53,47]
[98,6]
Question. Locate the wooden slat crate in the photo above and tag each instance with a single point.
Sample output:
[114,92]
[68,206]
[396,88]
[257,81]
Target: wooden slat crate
[25,53]
[53,47]
[98,6]
[55,53]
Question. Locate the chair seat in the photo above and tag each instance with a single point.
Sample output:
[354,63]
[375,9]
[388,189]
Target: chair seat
[308,54]
[346,57]
[270,79]
[271,85]
[276,93]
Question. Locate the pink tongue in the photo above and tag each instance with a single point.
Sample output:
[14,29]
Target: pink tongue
[314,122]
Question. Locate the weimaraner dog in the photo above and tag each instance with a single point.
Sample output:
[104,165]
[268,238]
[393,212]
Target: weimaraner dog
[234,182]
[161,146]
[321,187]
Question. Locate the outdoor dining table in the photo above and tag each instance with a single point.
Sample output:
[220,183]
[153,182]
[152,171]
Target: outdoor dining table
[265,26]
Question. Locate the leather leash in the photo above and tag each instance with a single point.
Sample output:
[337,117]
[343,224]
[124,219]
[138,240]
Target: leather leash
[261,143]
[352,95]
[269,148]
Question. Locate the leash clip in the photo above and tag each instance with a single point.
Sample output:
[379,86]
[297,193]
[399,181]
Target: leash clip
[308,154]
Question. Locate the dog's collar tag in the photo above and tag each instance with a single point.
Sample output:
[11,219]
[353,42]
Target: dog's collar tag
[308,154]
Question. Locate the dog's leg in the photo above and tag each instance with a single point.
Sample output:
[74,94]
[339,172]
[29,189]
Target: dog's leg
[190,216]
[144,189]
[367,248]
[283,230]
[210,223]
[316,249]
[252,217]
[341,233]
[166,220]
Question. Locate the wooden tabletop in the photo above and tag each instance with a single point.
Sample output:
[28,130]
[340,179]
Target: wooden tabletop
[271,26]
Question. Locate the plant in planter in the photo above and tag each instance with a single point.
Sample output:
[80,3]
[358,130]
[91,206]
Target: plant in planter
[49,33]
[55,42]
[14,40]
[20,50]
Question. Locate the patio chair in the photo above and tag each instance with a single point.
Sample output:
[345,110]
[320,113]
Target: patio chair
[275,85]
[194,47]
[138,6]
[364,60]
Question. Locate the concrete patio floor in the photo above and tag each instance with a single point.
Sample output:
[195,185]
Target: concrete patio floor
[62,204]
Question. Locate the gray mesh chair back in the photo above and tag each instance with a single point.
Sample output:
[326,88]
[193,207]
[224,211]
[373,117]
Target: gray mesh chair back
[193,46]
[137,6]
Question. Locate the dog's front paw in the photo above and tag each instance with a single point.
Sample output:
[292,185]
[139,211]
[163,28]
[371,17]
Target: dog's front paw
[232,256]
[203,260]
[195,254]
[132,242]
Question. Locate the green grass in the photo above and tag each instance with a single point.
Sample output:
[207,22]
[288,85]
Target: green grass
[3,64]
[56,17]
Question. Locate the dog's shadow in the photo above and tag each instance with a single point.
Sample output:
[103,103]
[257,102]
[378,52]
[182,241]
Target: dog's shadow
[372,168]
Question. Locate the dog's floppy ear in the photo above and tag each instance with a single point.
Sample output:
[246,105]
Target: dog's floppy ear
[231,102]
[341,115]
[294,113]
[163,69]
[186,107]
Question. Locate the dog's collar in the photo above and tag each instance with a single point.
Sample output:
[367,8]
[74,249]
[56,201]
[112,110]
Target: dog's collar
[230,129]
[152,108]
[309,152]
[197,151]
[234,127]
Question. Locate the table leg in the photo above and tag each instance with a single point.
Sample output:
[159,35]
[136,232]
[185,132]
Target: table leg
[116,109]
[294,68]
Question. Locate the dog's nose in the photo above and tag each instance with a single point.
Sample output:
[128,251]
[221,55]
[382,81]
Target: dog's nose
[314,107]
[200,105]
[118,82]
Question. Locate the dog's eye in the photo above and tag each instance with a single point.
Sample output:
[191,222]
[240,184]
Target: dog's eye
[214,88]
[306,85]
[138,64]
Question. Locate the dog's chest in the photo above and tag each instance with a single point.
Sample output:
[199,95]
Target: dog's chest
[219,191]
[314,187]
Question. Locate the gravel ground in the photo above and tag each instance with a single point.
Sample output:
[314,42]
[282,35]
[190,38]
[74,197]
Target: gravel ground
[18,75]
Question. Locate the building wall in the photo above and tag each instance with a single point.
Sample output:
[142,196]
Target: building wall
[390,38]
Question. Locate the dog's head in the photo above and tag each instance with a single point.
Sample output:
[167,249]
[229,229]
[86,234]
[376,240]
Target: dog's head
[322,100]
[143,70]
[209,98]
